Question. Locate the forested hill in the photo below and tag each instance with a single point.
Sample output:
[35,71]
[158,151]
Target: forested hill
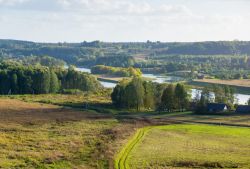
[223,59]
[77,52]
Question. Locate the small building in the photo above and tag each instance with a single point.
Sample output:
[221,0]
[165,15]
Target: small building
[200,76]
[243,109]
[216,107]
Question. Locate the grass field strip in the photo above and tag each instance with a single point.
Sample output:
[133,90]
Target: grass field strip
[121,161]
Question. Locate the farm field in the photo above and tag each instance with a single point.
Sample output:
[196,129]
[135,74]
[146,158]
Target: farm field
[240,82]
[37,135]
[191,146]
[36,132]
[241,86]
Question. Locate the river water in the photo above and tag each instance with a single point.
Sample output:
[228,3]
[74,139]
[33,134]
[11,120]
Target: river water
[240,98]
[105,84]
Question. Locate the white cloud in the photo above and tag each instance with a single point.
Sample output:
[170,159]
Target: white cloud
[95,7]
[11,2]
[120,20]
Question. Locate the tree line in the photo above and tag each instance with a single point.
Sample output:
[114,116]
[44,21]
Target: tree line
[143,95]
[219,66]
[138,94]
[16,78]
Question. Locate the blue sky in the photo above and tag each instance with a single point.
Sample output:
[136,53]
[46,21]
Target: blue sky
[124,20]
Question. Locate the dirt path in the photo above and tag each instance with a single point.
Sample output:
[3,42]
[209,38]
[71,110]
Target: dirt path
[121,161]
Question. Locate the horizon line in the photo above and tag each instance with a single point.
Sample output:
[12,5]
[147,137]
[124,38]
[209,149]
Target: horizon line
[89,41]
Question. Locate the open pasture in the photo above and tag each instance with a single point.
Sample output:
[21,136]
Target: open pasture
[192,146]
[37,135]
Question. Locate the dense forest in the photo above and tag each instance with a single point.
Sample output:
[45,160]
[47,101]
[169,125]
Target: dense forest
[222,59]
[16,78]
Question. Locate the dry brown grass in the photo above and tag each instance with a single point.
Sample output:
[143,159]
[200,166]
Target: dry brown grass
[16,111]
[37,135]
[240,82]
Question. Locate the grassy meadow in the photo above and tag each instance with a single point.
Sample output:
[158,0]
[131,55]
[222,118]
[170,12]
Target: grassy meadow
[94,102]
[192,146]
[58,131]
[71,100]
[38,135]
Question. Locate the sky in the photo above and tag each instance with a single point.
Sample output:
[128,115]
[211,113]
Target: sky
[125,20]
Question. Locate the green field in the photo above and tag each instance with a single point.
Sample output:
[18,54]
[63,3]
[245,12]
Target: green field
[190,146]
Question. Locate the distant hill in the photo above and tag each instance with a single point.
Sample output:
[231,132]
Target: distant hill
[85,53]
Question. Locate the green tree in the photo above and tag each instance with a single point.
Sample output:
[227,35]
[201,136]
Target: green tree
[224,94]
[206,93]
[116,96]
[202,104]
[219,94]
[130,97]
[54,82]
[129,94]
[138,92]
[5,85]
[14,84]
[168,100]
[181,96]
[149,99]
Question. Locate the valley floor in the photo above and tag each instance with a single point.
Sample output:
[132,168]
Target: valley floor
[57,131]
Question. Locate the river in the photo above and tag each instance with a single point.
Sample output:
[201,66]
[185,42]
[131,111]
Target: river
[241,98]
[105,84]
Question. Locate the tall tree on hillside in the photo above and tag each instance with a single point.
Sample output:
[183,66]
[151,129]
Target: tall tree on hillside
[138,92]
[181,96]
[158,91]
[116,96]
[205,98]
[230,96]
[5,85]
[54,82]
[202,104]
[219,94]
[130,97]
[14,83]
[168,101]
[149,99]
[206,93]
